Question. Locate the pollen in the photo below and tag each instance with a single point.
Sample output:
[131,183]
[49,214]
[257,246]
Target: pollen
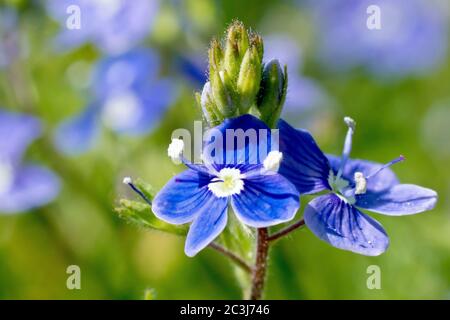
[175,149]
[360,182]
[273,160]
[228,182]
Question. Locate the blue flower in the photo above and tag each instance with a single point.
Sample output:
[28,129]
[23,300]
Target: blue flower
[22,186]
[335,217]
[128,98]
[236,174]
[113,26]
[413,37]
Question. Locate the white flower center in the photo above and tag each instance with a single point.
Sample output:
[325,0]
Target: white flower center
[122,111]
[175,150]
[6,176]
[273,160]
[360,183]
[228,182]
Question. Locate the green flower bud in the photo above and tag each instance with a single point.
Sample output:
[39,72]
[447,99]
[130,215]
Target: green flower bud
[212,114]
[215,55]
[249,79]
[221,95]
[272,93]
[235,72]
[257,41]
[236,45]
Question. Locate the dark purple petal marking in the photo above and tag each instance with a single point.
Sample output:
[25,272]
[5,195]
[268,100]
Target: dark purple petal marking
[266,200]
[182,198]
[343,226]
[209,223]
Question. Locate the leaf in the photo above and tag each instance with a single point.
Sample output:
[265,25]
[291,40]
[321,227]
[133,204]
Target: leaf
[139,213]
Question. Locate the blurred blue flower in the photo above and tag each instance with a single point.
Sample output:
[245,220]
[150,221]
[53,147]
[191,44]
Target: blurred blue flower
[193,68]
[259,196]
[304,94]
[128,98]
[9,47]
[22,186]
[114,26]
[335,217]
[413,37]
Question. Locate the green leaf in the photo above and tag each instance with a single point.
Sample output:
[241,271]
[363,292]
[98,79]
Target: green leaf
[139,213]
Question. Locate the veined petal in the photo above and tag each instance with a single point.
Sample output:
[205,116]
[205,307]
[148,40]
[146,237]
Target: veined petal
[401,199]
[34,186]
[343,226]
[383,180]
[303,163]
[267,199]
[77,134]
[238,141]
[209,223]
[183,197]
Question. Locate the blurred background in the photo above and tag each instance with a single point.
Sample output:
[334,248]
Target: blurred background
[91,99]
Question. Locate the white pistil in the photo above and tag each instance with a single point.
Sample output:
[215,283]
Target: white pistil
[228,182]
[175,150]
[273,160]
[360,183]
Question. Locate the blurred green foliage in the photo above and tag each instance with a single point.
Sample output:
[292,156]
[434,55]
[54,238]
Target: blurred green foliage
[120,261]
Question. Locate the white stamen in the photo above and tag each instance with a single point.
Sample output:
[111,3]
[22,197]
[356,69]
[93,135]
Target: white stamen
[127,180]
[273,160]
[228,182]
[175,149]
[361,183]
[350,122]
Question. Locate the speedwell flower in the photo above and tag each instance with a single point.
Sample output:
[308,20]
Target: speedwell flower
[335,217]
[113,26]
[128,97]
[238,174]
[411,38]
[22,186]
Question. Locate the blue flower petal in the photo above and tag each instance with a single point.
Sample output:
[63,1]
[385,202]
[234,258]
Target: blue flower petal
[267,199]
[147,107]
[77,134]
[383,180]
[132,70]
[345,227]
[252,147]
[183,197]
[303,163]
[17,132]
[209,223]
[34,186]
[401,199]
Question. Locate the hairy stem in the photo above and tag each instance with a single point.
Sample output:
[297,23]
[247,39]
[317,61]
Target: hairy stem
[236,259]
[287,230]
[259,271]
